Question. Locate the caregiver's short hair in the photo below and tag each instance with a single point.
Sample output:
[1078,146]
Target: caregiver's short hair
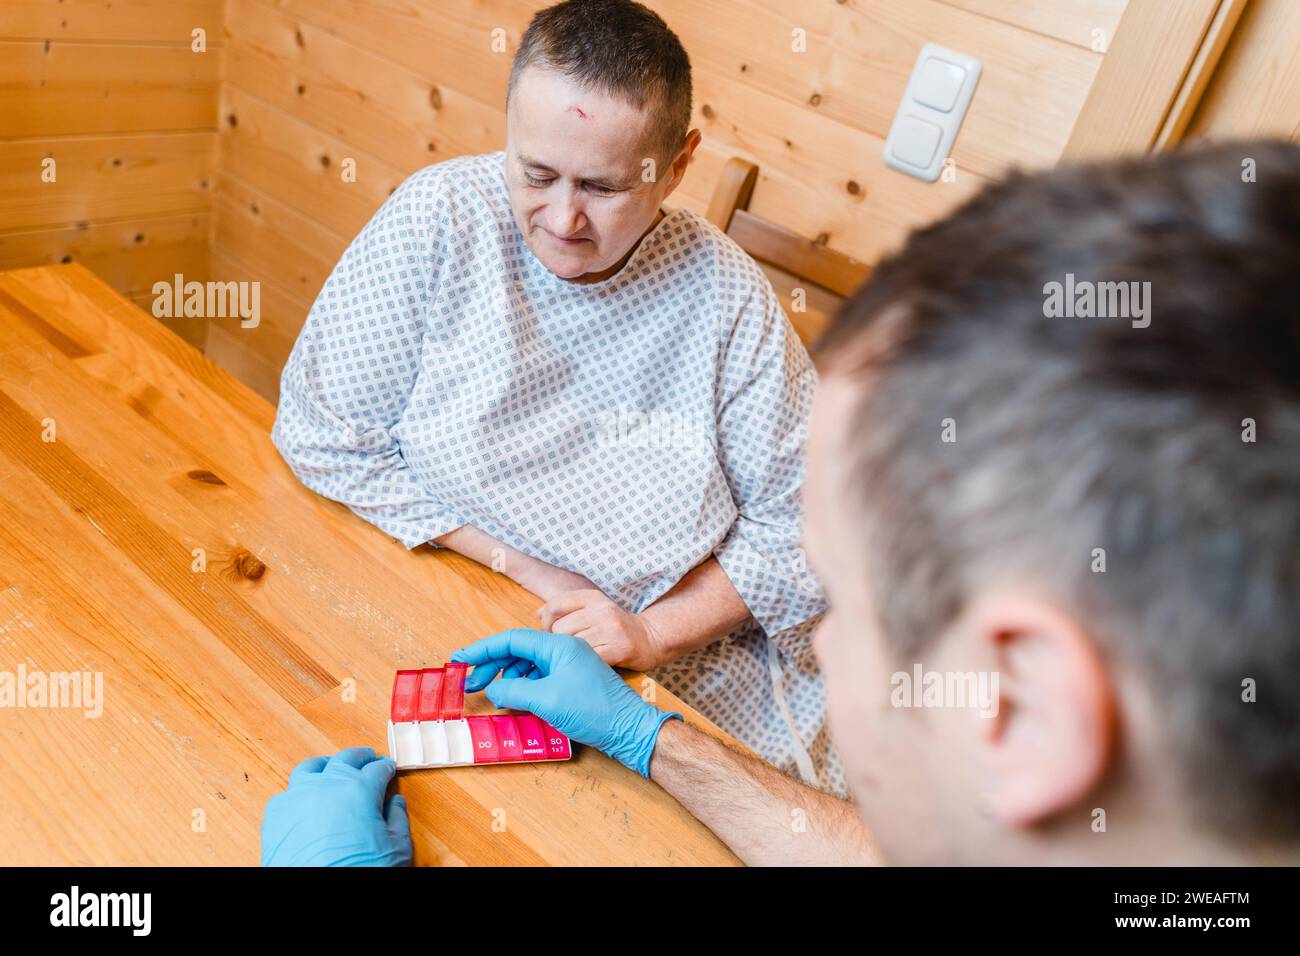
[622,49]
[1141,471]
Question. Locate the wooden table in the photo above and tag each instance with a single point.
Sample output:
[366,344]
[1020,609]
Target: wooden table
[128,459]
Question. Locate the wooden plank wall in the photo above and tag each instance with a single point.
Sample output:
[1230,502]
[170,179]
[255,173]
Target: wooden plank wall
[395,86]
[1256,88]
[115,95]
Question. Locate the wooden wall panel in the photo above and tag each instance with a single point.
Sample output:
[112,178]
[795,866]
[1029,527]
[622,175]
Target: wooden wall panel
[130,254]
[1074,22]
[114,93]
[448,41]
[99,21]
[278,237]
[293,161]
[105,177]
[77,88]
[399,113]
[283,312]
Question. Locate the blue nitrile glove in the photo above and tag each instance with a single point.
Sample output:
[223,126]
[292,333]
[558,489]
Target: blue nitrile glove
[334,814]
[568,686]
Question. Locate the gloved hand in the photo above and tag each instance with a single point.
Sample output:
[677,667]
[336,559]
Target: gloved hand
[565,683]
[334,814]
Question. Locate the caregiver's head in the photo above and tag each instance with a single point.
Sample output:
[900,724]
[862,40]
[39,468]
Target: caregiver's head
[598,117]
[1091,492]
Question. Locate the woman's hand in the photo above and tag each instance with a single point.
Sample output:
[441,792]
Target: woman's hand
[620,638]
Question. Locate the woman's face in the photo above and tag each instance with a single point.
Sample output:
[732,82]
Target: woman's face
[581,170]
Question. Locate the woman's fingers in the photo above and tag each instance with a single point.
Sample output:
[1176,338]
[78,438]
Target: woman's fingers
[579,620]
[611,654]
[610,646]
[561,605]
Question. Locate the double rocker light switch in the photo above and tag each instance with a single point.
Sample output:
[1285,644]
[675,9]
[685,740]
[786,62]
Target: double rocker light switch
[934,104]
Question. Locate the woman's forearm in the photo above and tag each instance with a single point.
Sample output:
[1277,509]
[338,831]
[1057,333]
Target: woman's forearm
[698,610]
[544,580]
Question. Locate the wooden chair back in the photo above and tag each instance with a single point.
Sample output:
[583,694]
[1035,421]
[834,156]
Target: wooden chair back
[811,278]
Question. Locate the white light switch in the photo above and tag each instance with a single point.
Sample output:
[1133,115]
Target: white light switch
[916,141]
[938,83]
[934,104]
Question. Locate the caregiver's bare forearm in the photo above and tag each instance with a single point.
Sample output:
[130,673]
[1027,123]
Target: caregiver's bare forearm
[765,817]
[544,580]
[698,610]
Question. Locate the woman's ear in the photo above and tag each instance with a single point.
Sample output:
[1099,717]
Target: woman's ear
[1052,740]
[677,169]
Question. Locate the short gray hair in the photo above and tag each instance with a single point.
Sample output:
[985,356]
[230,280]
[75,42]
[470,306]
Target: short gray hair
[1077,434]
[621,48]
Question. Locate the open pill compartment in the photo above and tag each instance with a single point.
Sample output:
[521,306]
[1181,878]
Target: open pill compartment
[427,726]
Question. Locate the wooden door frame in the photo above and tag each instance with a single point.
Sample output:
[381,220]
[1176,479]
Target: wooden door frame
[1154,72]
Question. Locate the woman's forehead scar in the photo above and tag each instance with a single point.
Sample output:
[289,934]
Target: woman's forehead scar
[582,114]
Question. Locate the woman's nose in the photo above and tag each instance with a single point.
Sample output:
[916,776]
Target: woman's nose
[569,217]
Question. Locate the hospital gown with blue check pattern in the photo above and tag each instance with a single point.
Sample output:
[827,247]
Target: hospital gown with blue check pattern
[625,429]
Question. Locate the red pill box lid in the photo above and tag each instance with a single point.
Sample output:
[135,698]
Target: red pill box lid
[453,691]
[406,687]
[428,704]
[431,693]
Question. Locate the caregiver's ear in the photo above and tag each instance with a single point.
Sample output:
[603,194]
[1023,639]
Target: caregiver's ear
[677,168]
[1052,739]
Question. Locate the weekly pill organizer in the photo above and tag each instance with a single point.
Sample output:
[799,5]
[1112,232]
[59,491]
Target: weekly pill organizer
[428,726]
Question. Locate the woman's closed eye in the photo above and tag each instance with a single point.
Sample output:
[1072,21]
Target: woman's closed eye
[598,189]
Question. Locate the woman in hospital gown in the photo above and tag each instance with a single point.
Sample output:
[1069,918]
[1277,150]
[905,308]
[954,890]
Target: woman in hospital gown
[625,429]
